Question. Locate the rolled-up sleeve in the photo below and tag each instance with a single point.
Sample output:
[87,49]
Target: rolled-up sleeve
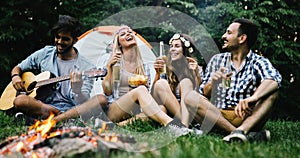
[266,70]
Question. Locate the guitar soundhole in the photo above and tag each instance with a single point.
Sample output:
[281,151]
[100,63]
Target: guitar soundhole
[31,86]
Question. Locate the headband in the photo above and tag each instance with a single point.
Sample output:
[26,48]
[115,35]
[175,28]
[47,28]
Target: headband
[122,28]
[186,42]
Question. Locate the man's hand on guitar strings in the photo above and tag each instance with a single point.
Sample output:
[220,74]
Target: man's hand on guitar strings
[76,81]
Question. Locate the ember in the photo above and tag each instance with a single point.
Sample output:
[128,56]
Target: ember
[43,140]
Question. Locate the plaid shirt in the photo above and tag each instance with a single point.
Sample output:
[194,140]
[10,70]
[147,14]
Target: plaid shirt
[244,82]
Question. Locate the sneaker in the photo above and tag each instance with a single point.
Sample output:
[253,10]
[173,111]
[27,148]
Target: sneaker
[197,129]
[19,116]
[177,128]
[263,135]
[236,136]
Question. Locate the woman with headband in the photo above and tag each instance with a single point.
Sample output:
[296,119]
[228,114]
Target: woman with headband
[180,68]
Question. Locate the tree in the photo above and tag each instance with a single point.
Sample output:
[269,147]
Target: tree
[24,28]
[278,40]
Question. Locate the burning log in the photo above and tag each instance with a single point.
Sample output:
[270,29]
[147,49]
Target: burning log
[43,140]
[72,146]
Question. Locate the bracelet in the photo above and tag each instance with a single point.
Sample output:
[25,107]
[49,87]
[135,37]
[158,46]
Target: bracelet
[12,76]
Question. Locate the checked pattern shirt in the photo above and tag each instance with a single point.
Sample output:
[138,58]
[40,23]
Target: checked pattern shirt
[244,82]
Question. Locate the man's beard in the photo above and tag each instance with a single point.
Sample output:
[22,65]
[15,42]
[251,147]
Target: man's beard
[230,48]
[65,50]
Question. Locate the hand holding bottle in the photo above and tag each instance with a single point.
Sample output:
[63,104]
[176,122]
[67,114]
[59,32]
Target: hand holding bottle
[162,58]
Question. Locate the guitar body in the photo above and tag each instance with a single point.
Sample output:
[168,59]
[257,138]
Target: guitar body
[9,94]
[39,86]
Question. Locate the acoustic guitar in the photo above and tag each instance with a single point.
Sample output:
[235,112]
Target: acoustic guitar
[38,86]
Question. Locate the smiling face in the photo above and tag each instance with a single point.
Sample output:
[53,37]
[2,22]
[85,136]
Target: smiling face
[126,38]
[176,50]
[64,42]
[230,37]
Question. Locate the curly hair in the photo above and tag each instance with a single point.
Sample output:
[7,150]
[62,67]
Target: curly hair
[67,23]
[179,69]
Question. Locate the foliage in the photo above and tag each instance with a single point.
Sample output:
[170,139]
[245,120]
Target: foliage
[24,28]
[10,127]
[285,141]
[278,40]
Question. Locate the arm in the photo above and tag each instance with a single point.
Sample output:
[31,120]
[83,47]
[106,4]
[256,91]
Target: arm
[214,80]
[16,78]
[158,64]
[198,78]
[107,83]
[193,64]
[207,89]
[156,77]
[264,89]
[76,84]
[270,81]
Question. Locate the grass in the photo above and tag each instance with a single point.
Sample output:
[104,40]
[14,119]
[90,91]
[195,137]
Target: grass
[284,143]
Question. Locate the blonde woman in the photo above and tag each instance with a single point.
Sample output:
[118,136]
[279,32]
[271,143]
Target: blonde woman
[182,75]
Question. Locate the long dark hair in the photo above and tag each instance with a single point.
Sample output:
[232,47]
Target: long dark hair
[179,69]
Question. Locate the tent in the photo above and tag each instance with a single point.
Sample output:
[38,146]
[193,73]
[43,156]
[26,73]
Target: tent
[94,43]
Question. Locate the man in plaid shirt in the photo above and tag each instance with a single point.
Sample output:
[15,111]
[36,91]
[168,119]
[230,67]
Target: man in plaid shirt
[242,87]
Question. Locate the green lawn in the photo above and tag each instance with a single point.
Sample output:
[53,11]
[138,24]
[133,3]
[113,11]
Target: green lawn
[284,143]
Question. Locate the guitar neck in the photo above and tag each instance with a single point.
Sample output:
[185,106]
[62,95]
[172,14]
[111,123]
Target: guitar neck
[52,80]
[90,73]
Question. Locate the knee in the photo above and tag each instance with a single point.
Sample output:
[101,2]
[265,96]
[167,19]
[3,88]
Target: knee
[186,81]
[274,96]
[20,101]
[192,99]
[271,98]
[141,89]
[102,100]
[161,85]
[163,108]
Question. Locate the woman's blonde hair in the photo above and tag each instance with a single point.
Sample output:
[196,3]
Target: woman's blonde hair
[116,46]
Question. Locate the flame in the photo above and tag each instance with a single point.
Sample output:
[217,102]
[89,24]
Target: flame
[111,138]
[55,133]
[114,139]
[21,147]
[44,127]
[34,155]
[102,128]
[32,138]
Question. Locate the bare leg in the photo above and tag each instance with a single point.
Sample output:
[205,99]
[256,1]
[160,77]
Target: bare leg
[122,108]
[260,113]
[186,86]
[32,107]
[140,116]
[91,107]
[163,94]
[206,110]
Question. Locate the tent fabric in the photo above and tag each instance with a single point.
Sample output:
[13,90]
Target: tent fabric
[93,45]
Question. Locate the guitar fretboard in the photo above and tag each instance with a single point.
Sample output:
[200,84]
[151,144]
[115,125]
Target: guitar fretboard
[90,73]
[52,80]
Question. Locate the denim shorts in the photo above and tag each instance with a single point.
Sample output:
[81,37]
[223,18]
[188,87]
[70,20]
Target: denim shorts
[61,106]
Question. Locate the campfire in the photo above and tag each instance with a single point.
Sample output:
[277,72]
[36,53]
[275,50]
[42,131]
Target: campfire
[44,140]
